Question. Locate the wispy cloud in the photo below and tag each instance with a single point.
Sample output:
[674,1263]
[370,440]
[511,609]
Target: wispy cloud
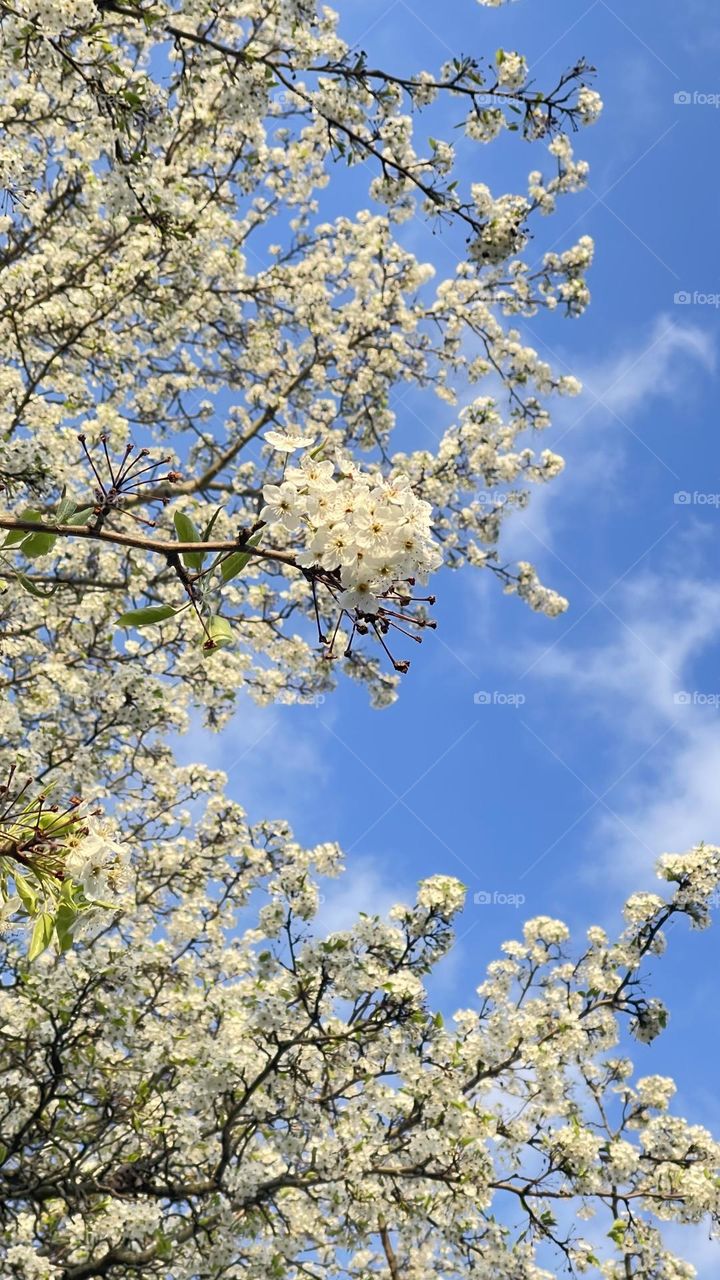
[661,623]
[647,641]
[658,365]
[594,432]
[368,886]
[273,758]
[645,685]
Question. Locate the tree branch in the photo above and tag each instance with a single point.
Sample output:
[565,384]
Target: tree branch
[157,546]
[388,1250]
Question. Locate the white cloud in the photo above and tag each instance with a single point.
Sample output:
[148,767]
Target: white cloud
[274,758]
[668,751]
[657,629]
[592,432]
[661,622]
[366,887]
[658,366]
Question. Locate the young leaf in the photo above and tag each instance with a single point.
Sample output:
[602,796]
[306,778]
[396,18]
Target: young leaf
[219,633]
[236,562]
[28,585]
[18,535]
[81,517]
[187,532]
[65,921]
[41,935]
[70,890]
[38,544]
[617,1231]
[211,524]
[145,617]
[27,896]
[65,509]
[56,824]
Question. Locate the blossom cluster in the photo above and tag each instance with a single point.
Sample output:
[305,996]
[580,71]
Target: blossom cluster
[99,864]
[372,532]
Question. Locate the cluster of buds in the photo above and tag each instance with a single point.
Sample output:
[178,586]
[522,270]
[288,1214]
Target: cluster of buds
[58,865]
[389,613]
[34,832]
[118,481]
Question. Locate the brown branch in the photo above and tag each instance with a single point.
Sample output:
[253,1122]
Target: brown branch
[92,584]
[388,1250]
[157,546]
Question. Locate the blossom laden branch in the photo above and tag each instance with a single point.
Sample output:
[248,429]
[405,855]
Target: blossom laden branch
[364,543]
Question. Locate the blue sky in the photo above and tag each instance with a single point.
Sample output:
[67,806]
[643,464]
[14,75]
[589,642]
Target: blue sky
[566,799]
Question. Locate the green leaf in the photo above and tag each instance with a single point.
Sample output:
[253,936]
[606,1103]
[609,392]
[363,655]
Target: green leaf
[27,896]
[618,1230]
[146,617]
[187,532]
[64,924]
[236,562]
[211,524]
[41,935]
[234,565]
[28,585]
[56,824]
[82,517]
[18,535]
[163,1246]
[65,509]
[219,633]
[38,544]
[70,890]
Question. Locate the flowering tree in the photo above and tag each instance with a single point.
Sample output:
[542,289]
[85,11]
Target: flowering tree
[205,488]
[189,1096]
